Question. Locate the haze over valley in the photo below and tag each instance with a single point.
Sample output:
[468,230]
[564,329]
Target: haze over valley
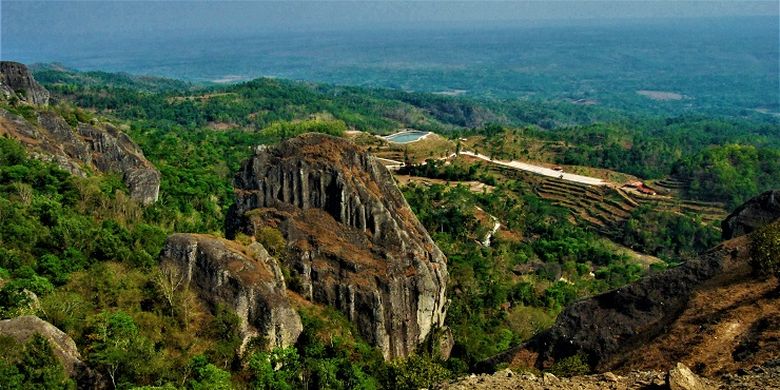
[709,62]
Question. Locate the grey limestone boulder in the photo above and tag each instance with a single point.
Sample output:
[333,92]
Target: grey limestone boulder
[246,279]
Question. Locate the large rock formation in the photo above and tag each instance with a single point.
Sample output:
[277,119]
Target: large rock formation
[16,80]
[619,320]
[355,243]
[712,313]
[84,147]
[754,213]
[246,279]
[21,329]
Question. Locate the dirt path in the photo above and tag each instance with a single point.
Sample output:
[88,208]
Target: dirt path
[496,226]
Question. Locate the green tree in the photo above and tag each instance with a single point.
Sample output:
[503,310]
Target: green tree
[275,370]
[31,365]
[41,368]
[10,377]
[225,328]
[116,347]
[206,376]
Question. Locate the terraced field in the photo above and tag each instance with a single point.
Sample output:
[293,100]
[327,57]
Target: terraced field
[606,208]
[670,185]
[709,212]
[600,206]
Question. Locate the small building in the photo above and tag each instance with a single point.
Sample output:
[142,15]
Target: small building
[641,188]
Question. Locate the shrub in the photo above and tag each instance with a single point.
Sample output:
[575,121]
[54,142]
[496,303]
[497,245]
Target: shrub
[271,239]
[243,239]
[765,250]
[570,366]
[416,372]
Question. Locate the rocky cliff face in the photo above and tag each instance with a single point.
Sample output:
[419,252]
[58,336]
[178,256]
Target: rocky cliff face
[111,150]
[246,279]
[754,213]
[711,313]
[16,80]
[356,244]
[608,324]
[96,146]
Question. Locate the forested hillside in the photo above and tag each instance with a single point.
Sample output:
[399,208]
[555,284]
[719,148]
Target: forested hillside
[706,152]
[79,253]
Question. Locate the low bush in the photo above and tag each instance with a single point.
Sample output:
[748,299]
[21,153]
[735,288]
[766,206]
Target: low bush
[765,250]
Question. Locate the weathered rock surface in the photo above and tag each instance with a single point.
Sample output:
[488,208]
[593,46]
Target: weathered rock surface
[97,147]
[755,213]
[246,279]
[682,378]
[16,80]
[756,378]
[23,328]
[606,325]
[111,150]
[712,313]
[356,244]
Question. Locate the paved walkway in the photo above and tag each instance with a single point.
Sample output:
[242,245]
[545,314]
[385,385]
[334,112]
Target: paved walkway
[593,181]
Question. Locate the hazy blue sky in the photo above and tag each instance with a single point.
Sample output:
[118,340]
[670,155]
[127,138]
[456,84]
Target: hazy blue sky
[29,19]
[105,33]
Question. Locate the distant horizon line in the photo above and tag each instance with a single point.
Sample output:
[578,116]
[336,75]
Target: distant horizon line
[429,25]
